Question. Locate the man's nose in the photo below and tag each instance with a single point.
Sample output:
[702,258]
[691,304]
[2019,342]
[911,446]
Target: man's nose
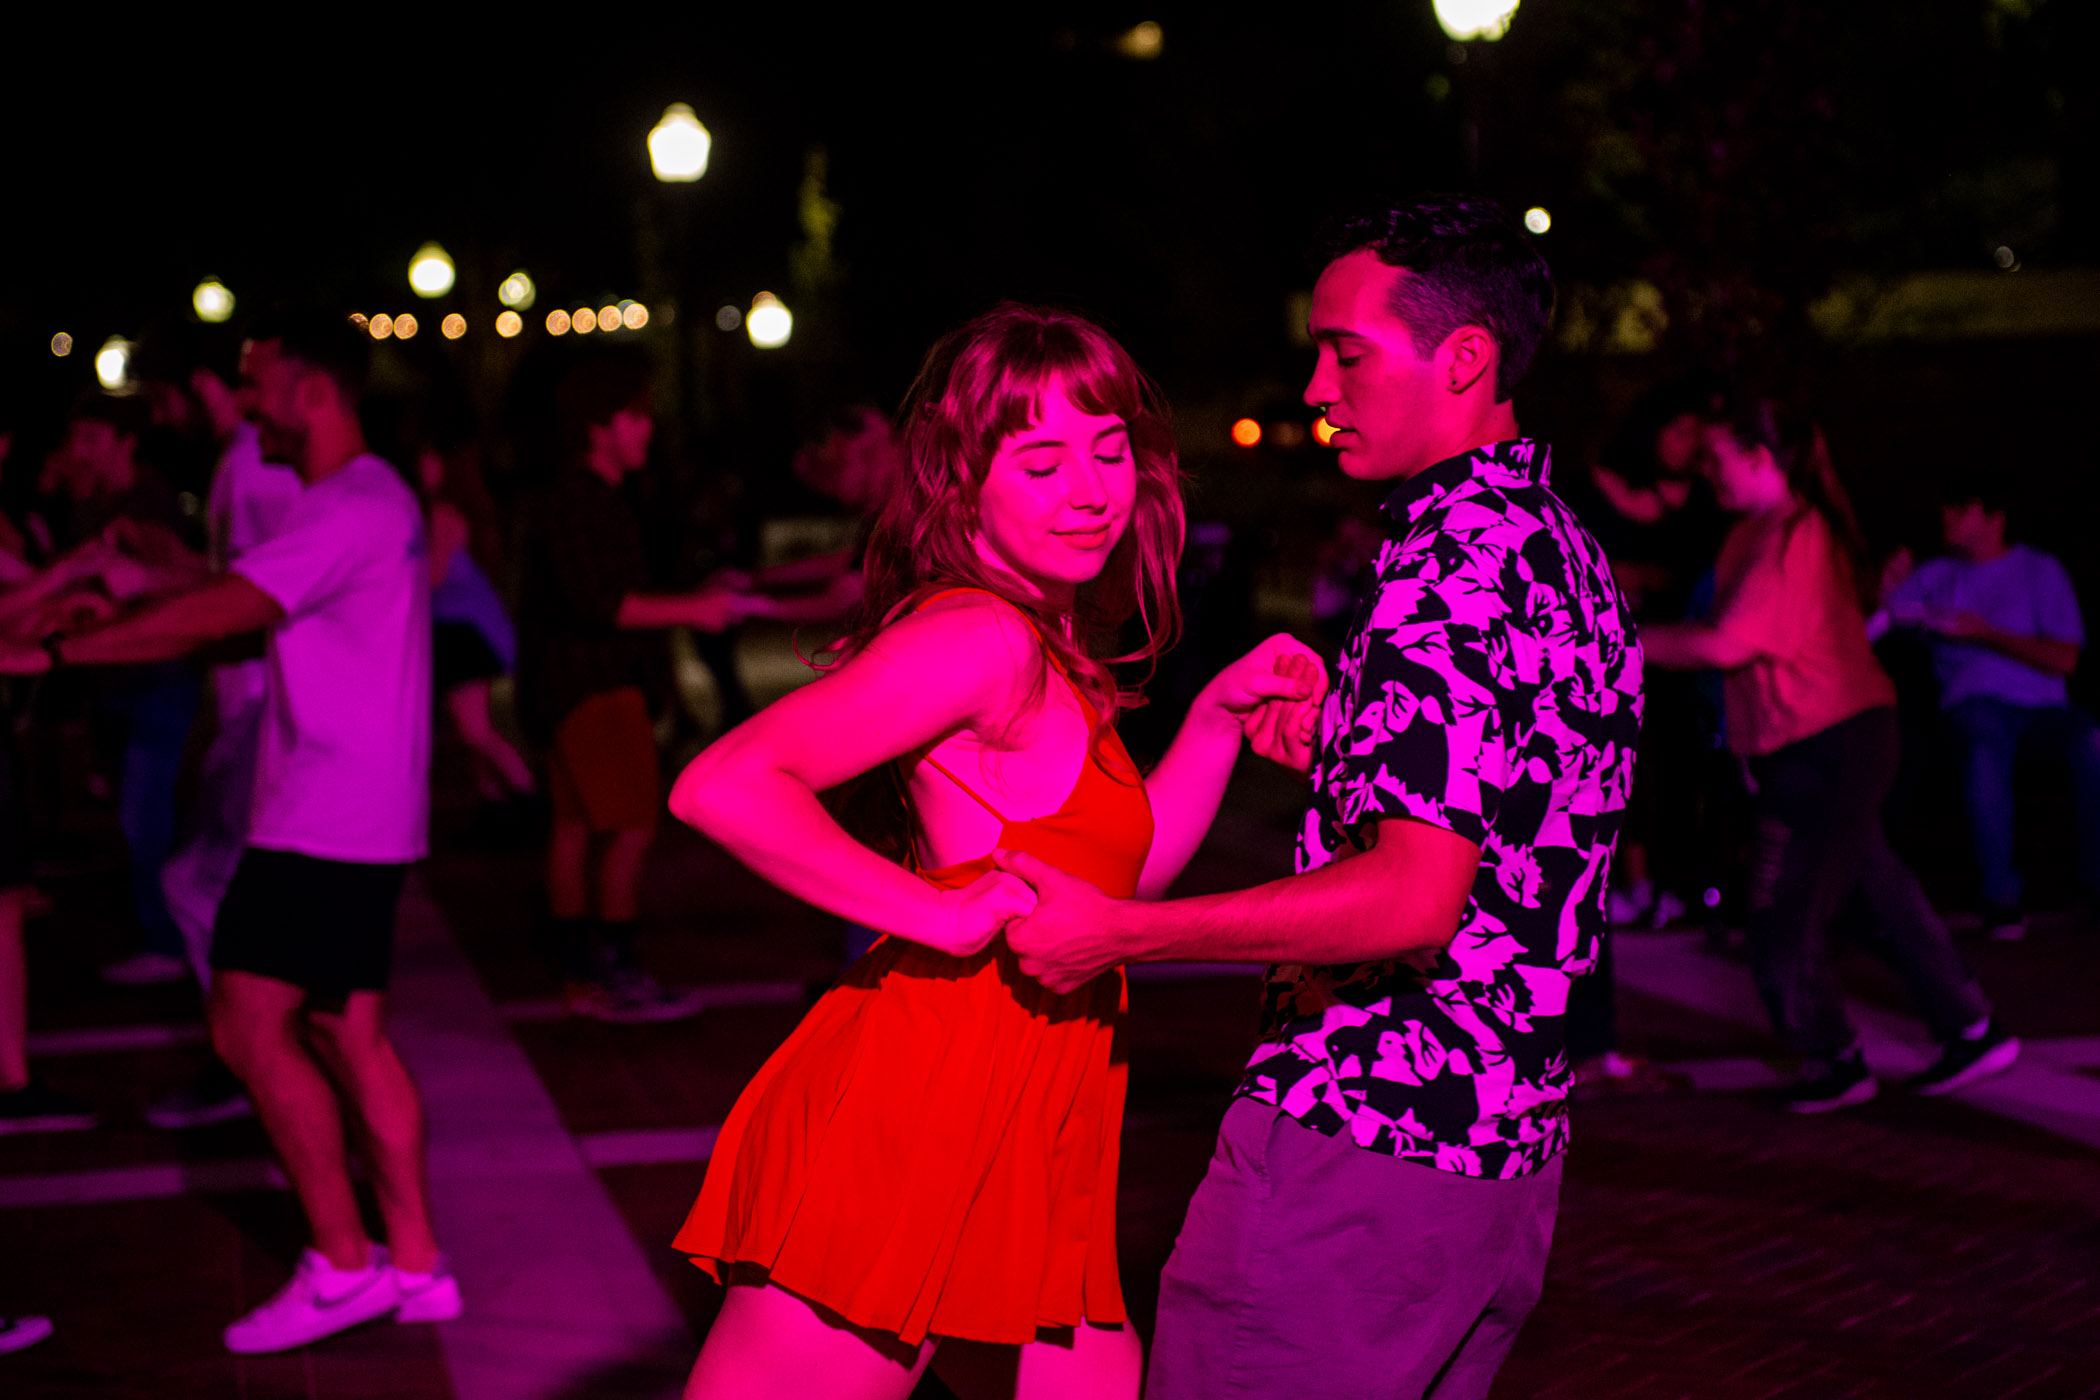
[1320,390]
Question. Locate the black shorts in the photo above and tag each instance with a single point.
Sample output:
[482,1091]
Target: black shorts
[325,925]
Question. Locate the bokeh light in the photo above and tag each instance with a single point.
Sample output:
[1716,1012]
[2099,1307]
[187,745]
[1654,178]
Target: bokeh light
[2005,257]
[380,326]
[728,319]
[1323,431]
[1246,432]
[509,323]
[212,301]
[516,291]
[679,146]
[1141,41]
[557,322]
[1475,19]
[61,345]
[1288,434]
[113,364]
[635,315]
[609,318]
[768,323]
[405,326]
[454,326]
[430,271]
[1537,219]
[583,320]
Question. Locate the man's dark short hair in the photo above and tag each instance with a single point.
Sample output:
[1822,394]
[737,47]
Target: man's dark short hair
[1987,489]
[327,341]
[1472,265]
[591,393]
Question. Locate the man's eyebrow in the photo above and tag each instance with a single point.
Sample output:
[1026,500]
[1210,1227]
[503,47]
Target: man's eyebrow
[1323,333]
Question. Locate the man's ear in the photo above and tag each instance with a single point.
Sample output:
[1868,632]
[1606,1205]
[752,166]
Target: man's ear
[1466,354]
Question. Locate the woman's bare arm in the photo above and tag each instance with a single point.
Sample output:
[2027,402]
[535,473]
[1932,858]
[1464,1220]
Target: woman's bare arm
[964,664]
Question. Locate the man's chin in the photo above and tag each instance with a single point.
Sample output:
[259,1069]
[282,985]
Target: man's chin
[1360,466]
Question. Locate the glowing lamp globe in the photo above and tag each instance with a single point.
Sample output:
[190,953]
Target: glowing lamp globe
[113,364]
[768,323]
[1475,19]
[679,146]
[517,292]
[212,301]
[430,271]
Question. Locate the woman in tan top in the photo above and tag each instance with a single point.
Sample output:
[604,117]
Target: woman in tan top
[1813,713]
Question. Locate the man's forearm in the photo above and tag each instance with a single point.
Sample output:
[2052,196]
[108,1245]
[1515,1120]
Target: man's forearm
[175,626]
[1689,646]
[1406,893]
[2042,653]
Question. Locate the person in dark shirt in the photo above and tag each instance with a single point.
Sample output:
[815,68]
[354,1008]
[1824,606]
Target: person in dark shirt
[593,669]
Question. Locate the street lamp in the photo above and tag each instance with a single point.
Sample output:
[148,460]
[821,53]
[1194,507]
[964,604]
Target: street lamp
[517,292]
[212,301]
[430,271]
[1475,19]
[113,365]
[769,323]
[678,146]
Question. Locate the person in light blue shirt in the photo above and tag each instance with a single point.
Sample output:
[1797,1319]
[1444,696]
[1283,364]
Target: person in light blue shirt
[2006,634]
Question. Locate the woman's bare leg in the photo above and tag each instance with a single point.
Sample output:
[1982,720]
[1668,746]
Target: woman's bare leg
[768,1344]
[1093,1363]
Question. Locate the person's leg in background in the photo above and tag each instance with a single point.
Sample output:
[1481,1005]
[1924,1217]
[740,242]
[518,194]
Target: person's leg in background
[26,1105]
[1811,838]
[1987,734]
[158,708]
[2071,738]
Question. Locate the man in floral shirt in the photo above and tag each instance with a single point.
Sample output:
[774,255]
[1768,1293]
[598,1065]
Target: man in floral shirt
[1376,1218]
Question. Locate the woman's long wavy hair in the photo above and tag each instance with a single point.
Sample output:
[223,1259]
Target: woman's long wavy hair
[979,385]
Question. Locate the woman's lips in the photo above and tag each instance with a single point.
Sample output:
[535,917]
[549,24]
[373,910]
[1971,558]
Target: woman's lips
[1085,539]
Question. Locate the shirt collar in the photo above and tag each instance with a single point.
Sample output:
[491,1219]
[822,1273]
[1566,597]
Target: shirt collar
[1509,464]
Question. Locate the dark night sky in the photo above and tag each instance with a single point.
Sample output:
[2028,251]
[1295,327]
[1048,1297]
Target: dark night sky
[1008,152]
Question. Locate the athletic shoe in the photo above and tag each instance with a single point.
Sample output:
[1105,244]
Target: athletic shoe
[19,1332]
[1827,1087]
[2005,923]
[1964,1062]
[146,970]
[38,1108]
[318,1301]
[627,997]
[431,1297]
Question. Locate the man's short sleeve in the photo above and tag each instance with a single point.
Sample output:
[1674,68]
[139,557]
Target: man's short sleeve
[1433,697]
[312,555]
[2056,614]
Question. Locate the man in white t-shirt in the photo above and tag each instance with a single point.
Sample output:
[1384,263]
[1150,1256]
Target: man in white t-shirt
[303,942]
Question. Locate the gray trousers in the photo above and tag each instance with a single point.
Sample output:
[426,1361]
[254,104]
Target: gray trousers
[1311,1266]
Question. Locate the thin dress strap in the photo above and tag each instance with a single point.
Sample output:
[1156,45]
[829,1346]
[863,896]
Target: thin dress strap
[942,769]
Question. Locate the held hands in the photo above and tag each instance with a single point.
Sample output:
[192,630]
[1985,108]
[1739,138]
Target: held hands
[1073,933]
[979,910]
[1274,692]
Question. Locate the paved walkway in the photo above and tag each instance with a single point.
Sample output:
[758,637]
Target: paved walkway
[1709,1246]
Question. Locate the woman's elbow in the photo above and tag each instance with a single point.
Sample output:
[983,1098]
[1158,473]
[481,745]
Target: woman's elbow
[704,794]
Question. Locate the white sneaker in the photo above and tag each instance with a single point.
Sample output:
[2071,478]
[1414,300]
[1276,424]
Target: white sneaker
[319,1301]
[431,1297]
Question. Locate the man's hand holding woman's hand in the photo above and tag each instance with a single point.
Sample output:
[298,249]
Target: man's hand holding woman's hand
[1275,692]
[979,910]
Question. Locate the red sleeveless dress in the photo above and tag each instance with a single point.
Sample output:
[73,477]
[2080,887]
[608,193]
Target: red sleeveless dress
[934,1149]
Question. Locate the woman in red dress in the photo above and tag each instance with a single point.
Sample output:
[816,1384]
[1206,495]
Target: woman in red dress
[928,1165]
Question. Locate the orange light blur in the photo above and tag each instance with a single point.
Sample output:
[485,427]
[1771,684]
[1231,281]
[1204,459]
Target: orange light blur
[584,322]
[509,323]
[380,326]
[636,315]
[405,326]
[1246,432]
[454,326]
[608,318]
[1323,431]
[557,322]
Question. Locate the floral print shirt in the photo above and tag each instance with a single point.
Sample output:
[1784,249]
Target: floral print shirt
[1490,685]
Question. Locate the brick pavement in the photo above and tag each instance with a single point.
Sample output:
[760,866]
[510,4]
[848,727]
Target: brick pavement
[1708,1245]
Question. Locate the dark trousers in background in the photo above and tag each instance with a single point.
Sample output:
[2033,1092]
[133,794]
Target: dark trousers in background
[156,705]
[1991,735]
[1819,845]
